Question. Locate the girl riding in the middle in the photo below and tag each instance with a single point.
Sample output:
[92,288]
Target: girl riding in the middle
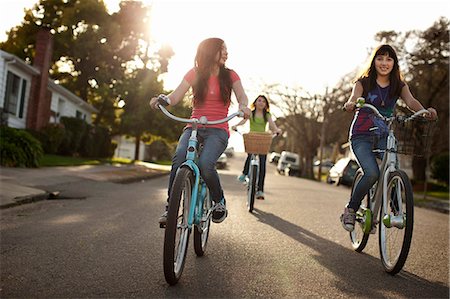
[259,119]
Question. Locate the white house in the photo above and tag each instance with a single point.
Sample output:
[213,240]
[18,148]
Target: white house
[29,98]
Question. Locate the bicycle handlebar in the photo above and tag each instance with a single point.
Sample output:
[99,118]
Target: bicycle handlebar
[163,101]
[240,133]
[360,103]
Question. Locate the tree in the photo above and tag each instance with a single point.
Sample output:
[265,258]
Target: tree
[93,51]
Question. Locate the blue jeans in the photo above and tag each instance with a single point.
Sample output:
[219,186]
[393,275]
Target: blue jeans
[262,170]
[362,148]
[215,141]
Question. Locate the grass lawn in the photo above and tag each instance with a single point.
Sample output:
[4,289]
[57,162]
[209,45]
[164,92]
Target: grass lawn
[55,160]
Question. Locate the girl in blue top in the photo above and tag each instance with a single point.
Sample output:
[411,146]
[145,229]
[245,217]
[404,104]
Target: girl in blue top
[258,122]
[381,84]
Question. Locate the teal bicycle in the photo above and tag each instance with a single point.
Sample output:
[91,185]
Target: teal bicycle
[190,205]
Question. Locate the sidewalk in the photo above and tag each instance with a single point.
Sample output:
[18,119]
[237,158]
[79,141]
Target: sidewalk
[24,185]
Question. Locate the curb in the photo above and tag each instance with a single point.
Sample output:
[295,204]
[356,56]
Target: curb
[25,199]
[130,180]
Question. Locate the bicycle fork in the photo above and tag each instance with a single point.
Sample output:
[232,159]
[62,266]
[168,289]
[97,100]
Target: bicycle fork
[253,162]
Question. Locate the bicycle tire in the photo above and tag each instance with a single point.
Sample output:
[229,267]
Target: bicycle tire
[358,237]
[176,236]
[390,230]
[252,187]
[201,231]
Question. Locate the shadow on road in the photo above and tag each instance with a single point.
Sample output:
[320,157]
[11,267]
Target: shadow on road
[359,275]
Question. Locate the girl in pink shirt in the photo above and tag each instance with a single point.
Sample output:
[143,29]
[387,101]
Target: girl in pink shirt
[212,84]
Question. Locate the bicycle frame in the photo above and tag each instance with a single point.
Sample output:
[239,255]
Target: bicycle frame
[191,159]
[388,165]
[199,195]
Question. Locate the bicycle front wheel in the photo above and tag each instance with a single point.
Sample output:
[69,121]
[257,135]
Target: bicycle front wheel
[201,231]
[396,222]
[176,237]
[360,234]
[252,187]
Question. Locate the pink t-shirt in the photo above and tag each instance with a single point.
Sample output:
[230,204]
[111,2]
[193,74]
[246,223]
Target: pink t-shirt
[213,107]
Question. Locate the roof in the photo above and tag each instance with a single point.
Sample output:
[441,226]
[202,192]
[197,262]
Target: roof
[22,65]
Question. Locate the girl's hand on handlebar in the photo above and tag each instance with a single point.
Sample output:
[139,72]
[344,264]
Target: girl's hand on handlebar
[432,114]
[247,112]
[159,100]
[278,132]
[349,106]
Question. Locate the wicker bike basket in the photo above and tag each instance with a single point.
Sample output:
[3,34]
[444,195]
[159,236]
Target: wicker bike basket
[257,143]
[414,137]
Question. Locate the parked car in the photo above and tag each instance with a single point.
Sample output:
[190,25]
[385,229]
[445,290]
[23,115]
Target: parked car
[274,157]
[342,172]
[292,170]
[222,162]
[326,166]
[287,158]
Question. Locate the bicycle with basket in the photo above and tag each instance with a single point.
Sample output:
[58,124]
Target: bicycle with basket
[255,144]
[391,197]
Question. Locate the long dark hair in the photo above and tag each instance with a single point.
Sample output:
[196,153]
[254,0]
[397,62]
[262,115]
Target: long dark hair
[266,109]
[368,77]
[205,59]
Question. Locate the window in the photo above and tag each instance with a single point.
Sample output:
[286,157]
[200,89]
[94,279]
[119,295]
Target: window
[15,94]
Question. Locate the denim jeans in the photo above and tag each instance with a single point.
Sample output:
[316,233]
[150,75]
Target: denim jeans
[262,170]
[362,148]
[215,141]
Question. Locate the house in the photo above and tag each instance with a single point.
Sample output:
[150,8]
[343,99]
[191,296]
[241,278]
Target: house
[29,98]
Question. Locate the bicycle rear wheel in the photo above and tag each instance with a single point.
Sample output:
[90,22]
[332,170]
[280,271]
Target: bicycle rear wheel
[360,235]
[252,187]
[396,222]
[201,231]
[176,237]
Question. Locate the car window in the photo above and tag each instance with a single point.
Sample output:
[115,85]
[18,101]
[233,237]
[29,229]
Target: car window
[290,159]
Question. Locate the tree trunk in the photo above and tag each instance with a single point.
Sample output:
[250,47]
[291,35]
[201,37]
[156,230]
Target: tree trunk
[418,167]
[137,146]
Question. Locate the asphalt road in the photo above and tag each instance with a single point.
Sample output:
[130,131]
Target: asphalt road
[102,240]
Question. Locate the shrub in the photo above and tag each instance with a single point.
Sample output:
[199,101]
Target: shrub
[158,150]
[96,143]
[440,168]
[51,137]
[19,148]
[75,129]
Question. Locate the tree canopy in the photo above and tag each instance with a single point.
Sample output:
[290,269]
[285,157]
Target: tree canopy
[102,58]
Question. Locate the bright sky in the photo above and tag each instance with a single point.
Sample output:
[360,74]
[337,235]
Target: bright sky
[304,43]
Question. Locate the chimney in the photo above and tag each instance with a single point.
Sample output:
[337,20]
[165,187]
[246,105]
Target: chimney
[40,98]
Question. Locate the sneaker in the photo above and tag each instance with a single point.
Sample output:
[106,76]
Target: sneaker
[348,219]
[259,195]
[241,178]
[163,219]
[220,212]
